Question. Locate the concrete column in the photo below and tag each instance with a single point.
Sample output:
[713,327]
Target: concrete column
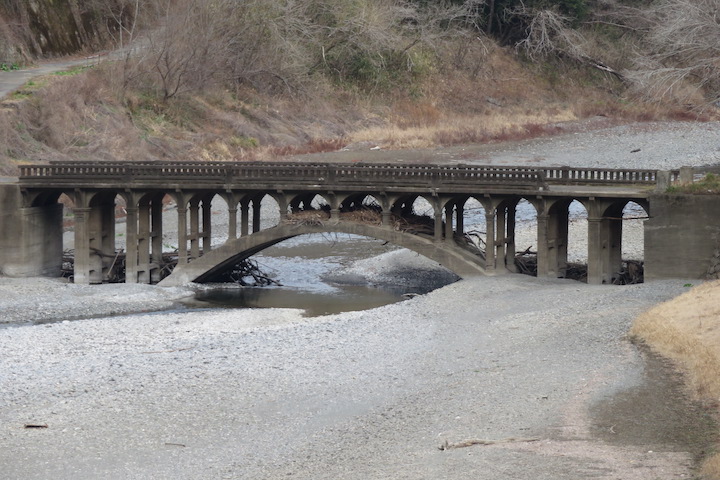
[256,215]
[552,243]
[232,205]
[232,223]
[108,234]
[460,218]
[500,231]
[510,239]
[101,241]
[282,201]
[449,233]
[156,235]
[182,233]
[206,225]
[438,226]
[244,218]
[386,218]
[194,228]
[560,224]
[490,240]
[131,245]
[543,246]
[614,254]
[81,273]
[597,248]
[386,204]
[143,244]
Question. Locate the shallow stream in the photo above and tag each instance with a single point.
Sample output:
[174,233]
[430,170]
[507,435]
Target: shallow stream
[320,275]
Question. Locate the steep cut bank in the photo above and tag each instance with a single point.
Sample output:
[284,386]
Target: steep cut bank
[47,28]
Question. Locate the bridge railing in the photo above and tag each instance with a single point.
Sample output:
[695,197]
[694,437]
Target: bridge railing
[322,173]
[566,175]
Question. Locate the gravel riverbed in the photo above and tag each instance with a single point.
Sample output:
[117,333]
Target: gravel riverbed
[516,377]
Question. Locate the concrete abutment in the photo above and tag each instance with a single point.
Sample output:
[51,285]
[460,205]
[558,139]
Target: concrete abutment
[30,237]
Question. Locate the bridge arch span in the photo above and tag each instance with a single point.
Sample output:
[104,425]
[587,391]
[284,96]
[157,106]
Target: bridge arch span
[454,258]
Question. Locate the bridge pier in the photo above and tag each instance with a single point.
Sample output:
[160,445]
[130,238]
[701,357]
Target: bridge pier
[604,241]
[30,235]
[256,208]
[552,244]
[95,254]
[503,235]
[490,261]
[147,249]
[449,232]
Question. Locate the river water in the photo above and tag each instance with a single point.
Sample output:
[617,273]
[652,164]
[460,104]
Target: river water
[332,273]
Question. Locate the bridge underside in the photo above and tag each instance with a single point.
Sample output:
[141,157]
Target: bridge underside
[442,239]
[460,260]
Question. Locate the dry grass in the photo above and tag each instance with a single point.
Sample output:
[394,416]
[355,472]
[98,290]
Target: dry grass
[452,130]
[687,330]
[487,95]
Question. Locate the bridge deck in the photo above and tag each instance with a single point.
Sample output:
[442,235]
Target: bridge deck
[358,177]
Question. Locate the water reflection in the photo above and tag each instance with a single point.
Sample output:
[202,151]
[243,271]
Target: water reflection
[345,299]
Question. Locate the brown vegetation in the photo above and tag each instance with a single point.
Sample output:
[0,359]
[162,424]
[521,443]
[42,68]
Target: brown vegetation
[687,330]
[259,79]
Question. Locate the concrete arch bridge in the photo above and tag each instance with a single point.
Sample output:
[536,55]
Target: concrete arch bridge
[365,199]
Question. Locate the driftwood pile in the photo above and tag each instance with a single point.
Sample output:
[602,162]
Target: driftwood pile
[117,266]
[246,273]
[412,223]
[631,272]
[308,218]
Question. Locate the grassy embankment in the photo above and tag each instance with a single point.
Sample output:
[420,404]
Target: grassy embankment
[687,331]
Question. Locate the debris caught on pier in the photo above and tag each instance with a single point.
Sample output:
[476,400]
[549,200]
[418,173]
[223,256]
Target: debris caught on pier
[369,215]
[631,272]
[245,273]
[310,217]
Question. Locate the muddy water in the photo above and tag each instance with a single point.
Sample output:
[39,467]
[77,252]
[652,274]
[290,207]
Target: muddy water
[655,412]
[312,272]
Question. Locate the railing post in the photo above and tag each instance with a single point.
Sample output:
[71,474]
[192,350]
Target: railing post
[662,181]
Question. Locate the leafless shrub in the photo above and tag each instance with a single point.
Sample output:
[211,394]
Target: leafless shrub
[548,32]
[683,48]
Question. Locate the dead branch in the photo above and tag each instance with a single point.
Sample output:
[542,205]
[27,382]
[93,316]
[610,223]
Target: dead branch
[474,441]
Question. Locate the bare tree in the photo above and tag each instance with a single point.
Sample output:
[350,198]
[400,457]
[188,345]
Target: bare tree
[683,50]
[549,32]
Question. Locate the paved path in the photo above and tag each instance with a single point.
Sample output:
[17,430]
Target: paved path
[14,79]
